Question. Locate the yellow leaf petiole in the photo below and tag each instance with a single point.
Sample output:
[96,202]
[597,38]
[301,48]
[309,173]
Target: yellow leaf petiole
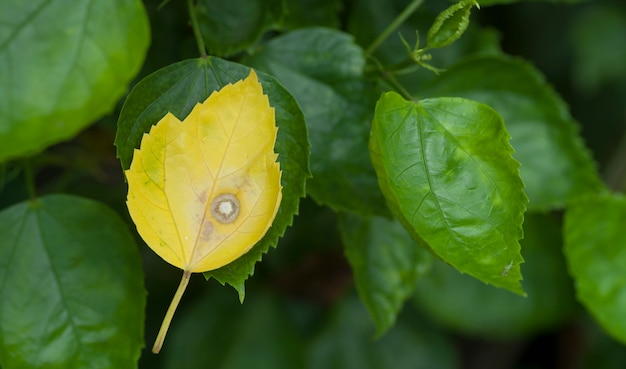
[158,343]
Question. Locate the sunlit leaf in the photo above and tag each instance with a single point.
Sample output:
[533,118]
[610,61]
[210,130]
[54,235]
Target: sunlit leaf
[177,88]
[446,170]
[64,64]
[203,191]
[555,164]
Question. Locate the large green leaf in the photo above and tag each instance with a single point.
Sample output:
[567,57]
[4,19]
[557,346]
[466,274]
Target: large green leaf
[177,88]
[322,68]
[346,343]
[595,250]
[469,306]
[71,286]
[385,262]
[229,26]
[234,336]
[446,170]
[64,64]
[555,162]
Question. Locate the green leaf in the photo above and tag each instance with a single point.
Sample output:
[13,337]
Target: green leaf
[63,65]
[177,88]
[346,343]
[71,285]
[595,250]
[466,305]
[594,35]
[450,24]
[556,165]
[322,68]
[446,170]
[385,262]
[234,336]
[230,26]
[309,13]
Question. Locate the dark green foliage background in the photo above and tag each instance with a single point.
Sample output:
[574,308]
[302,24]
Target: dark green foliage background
[329,296]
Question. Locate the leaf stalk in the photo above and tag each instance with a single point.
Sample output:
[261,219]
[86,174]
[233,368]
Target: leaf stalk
[401,18]
[158,343]
[196,29]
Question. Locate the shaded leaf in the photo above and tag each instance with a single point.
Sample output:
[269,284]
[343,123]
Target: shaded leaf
[322,68]
[595,250]
[71,287]
[538,121]
[177,88]
[234,336]
[386,263]
[309,13]
[230,26]
[203,191]
[446,170]
[80,58]
[471,307]
[346,343]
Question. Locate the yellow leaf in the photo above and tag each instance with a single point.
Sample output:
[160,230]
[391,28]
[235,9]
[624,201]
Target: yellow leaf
[202,192]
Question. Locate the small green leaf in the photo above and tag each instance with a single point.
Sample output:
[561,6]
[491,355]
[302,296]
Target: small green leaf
[466,305]
[228,26]
[595,249]
[323,69]
[386,263]
[450,24]
[177,88]
[346,343]
[556,165]
[64,64]
[71,286]
[234,336]
[446,170]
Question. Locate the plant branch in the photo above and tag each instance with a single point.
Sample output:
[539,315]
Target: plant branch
[158,343]
[196,28]
[406,13]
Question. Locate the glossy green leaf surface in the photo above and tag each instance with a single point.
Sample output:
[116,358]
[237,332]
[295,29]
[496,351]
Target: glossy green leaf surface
[64,64]
[446,170]
[256,334]
[177,88]
[538,121]
[595,250]
[322,68]
[450,24]
[229,26]
[72,287]
[346,343]
[386,263]
[469,306]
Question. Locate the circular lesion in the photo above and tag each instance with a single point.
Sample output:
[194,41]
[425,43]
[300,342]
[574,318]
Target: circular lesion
[225,208]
